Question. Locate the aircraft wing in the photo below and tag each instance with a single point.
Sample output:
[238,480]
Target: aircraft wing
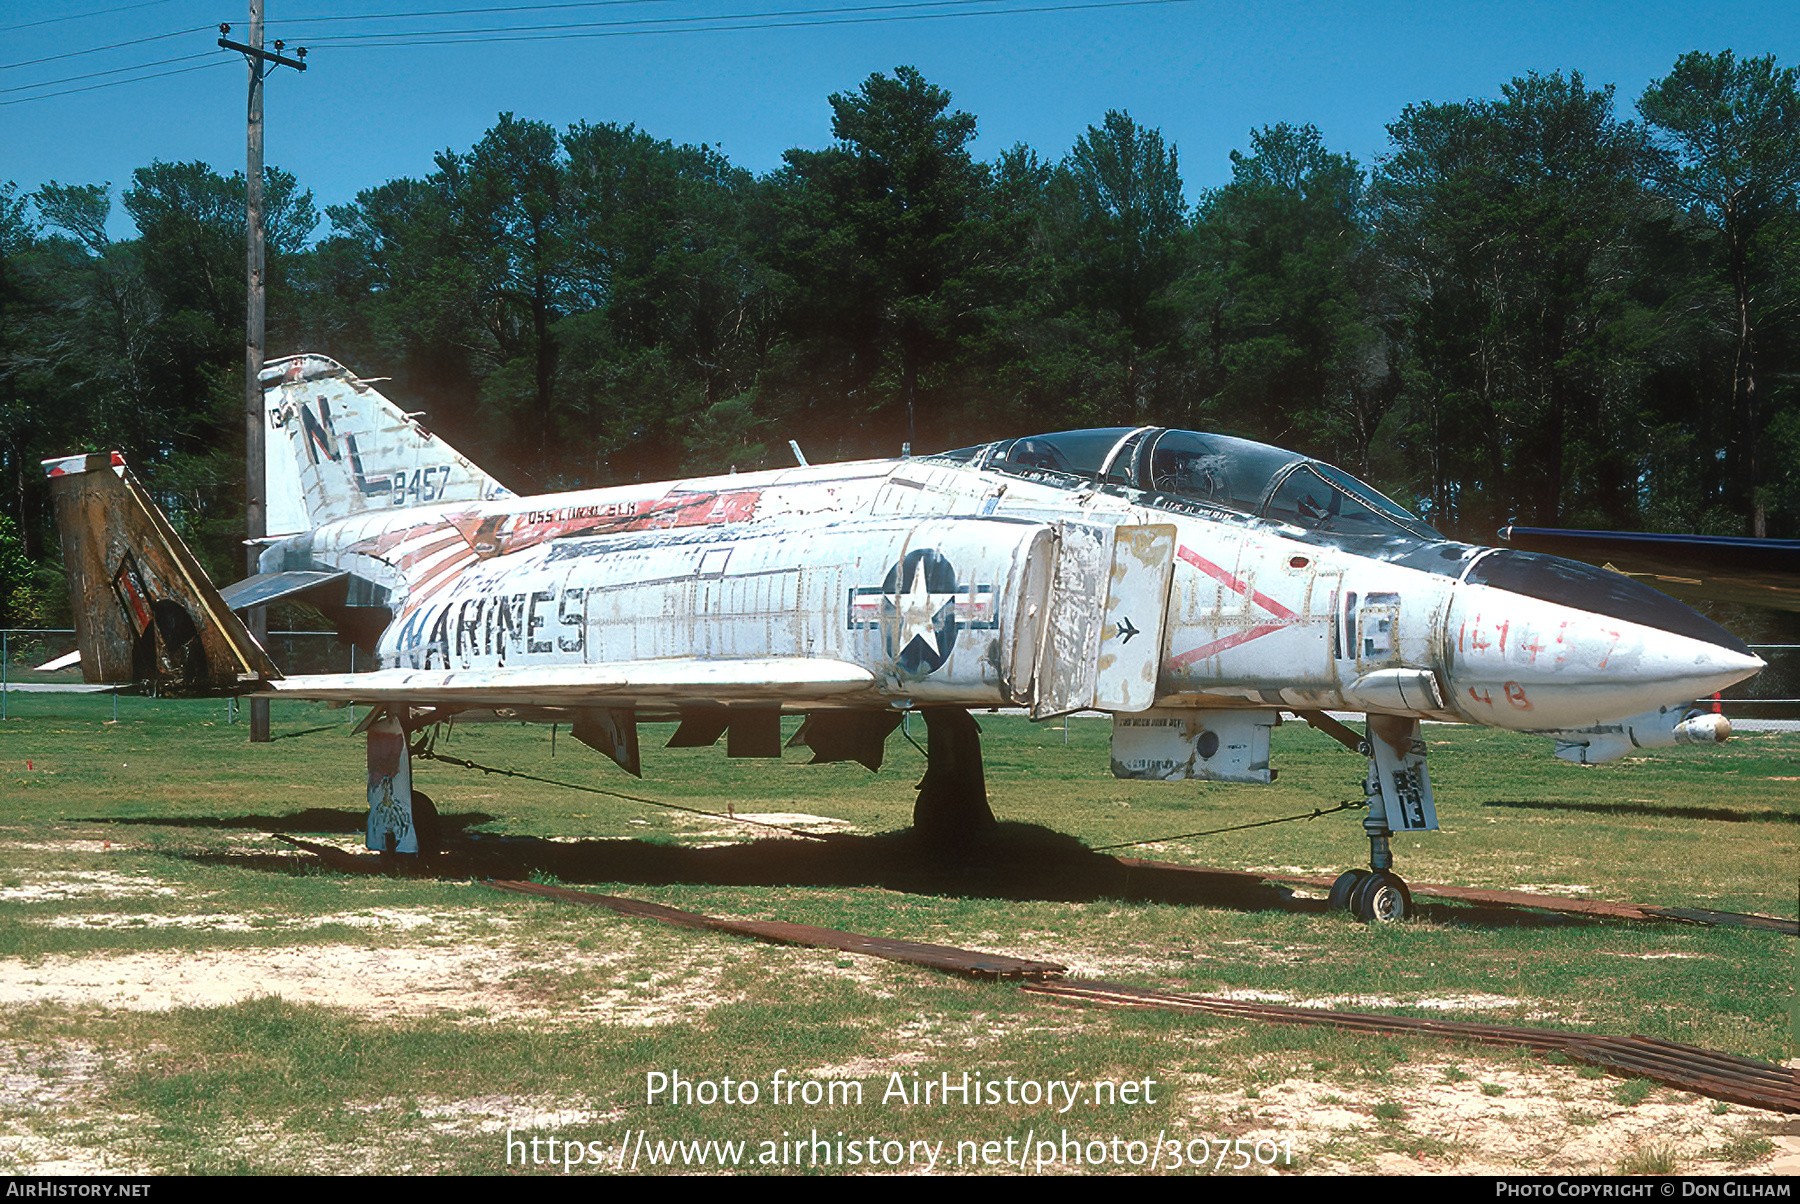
[794,680]
[267,588]
[1756,572]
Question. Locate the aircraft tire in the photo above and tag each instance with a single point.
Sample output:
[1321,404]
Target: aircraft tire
[425,824]
[1382,898]
[1343,891]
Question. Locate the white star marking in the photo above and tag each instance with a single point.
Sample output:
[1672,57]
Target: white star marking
[917,610]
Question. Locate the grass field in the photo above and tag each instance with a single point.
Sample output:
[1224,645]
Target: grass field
[184,993]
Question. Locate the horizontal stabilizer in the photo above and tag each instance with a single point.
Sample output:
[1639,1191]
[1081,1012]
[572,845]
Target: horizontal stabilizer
[267,588]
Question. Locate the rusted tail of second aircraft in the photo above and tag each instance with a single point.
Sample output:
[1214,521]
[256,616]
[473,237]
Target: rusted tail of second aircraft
[145,611]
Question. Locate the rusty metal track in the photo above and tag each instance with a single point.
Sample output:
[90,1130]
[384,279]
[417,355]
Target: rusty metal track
[1705,1072]
[1684,1067]
[1512,898]
[1733,919]
[968,962]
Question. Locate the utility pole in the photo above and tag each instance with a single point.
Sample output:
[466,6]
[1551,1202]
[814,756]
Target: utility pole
[255,423]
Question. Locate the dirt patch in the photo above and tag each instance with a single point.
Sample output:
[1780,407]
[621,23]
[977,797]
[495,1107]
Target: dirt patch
[374,918]
[709,832]
[45,1098]
[40,886]
[1482,1119]
[1472,1002]
[465,980]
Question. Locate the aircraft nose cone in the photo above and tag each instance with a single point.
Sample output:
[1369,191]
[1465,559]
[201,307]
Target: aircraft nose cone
[1598,647]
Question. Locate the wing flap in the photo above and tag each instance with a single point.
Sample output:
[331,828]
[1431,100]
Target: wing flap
[794,680]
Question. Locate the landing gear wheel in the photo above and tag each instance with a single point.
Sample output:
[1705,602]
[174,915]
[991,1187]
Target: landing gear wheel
[1344,889]
[1382,898]
[425,824]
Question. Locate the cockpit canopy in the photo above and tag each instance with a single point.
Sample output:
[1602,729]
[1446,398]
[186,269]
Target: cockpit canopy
[1188,469]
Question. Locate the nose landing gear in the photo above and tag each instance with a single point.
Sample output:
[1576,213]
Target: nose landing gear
[1399,794]
[1374,897]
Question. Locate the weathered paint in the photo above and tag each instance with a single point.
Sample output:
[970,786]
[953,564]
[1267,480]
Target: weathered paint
[945,582]
[1181,745]
[1129,666]
[390,788]
[988,577]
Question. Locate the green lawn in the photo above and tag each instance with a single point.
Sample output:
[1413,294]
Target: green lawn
[408,1023]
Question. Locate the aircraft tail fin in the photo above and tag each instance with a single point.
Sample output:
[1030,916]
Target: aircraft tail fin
[338,448]
[145,611]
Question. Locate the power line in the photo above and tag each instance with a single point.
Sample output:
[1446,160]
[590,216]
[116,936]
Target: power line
[722,23]
[100,12]
[323,39]
[45,83]
[114,83]
[463,12]
[155,37]
[613,29]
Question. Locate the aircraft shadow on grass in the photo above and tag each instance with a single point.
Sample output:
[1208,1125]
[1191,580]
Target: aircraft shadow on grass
[1022,862]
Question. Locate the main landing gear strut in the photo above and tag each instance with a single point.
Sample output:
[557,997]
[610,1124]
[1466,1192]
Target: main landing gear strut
[1399,795]
[952,810]
[402,820]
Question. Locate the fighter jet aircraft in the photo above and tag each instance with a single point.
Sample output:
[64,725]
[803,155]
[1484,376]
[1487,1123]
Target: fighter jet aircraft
[1194,586]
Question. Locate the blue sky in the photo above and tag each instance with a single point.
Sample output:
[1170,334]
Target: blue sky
[1203,72]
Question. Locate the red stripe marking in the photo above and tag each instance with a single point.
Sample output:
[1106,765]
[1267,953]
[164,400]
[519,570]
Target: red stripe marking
[423,588]
[430,549]
[1220,645]
[1236,586]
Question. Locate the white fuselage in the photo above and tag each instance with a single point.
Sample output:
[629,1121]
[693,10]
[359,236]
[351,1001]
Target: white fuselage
[955,584]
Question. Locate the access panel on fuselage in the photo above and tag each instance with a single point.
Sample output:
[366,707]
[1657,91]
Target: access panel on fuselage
[1250,617]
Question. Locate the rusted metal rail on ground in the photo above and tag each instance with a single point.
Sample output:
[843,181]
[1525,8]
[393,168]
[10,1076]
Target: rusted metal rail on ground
[1685,1067]
[937,957]
[1705,1072]
[1598,908]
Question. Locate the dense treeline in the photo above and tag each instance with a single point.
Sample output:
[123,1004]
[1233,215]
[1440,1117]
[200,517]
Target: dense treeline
[1533,308]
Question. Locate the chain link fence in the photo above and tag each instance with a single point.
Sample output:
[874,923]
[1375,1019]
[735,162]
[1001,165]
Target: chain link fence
[23,649]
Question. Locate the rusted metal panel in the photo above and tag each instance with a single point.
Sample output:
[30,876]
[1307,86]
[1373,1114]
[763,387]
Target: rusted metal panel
[144,609]
[1068,659]
[1137,598]
[1719,1076]
[1704,1072]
